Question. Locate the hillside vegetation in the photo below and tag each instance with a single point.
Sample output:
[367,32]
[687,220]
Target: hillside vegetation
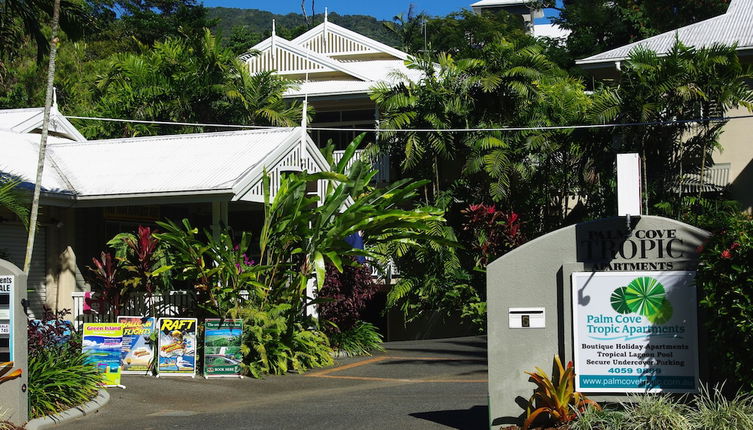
[233,20]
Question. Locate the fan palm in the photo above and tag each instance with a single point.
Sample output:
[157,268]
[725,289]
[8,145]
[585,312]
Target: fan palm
[20,18]
[12,200]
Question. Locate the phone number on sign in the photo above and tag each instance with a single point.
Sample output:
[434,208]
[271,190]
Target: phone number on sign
[630,370]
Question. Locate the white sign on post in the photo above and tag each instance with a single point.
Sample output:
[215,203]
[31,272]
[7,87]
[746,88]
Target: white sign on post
[628,185]
[635,331]
[6,318]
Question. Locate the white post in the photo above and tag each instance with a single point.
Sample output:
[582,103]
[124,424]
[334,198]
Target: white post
[272,41]
[219,217]
[628,185]
[324,30]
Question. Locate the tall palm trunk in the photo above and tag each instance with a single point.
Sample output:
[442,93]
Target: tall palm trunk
[43,142]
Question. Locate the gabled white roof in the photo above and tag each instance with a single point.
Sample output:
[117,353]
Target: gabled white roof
[733,27]
[360,43]
[389,71]
[29,120]
[499,3]
[227,164]
[20,153]
[337,61]
[291,58]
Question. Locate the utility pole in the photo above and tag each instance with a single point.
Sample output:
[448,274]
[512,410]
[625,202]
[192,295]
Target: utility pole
[45,130]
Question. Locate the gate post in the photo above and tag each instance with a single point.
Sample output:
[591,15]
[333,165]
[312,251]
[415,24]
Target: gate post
[13,344]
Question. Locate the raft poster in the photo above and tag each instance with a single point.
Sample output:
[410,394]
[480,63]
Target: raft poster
[635,332]
[177,347]
[138,352]
[102,343]
[222,347]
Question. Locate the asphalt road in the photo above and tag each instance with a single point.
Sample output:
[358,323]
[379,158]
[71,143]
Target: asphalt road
[431,384]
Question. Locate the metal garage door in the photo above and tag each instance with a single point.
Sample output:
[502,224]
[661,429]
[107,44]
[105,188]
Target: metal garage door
[13,239]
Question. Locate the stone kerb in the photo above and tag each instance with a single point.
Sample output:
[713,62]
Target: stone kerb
[535,280]
[13,395]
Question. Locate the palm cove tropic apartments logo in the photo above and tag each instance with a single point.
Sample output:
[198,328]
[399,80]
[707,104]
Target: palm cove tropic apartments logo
[643,296]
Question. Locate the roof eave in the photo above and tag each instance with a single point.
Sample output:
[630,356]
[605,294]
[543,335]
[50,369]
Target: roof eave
[166,197]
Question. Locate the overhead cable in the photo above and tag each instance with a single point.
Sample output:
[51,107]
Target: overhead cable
[426,130]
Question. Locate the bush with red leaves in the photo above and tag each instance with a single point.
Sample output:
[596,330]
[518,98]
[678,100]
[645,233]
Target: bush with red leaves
[51,331]
[345,296]
[494,232]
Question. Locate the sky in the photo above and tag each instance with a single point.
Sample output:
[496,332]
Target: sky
[382,9]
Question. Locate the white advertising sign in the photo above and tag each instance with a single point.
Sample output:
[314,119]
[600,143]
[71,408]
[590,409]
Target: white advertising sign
[635,331]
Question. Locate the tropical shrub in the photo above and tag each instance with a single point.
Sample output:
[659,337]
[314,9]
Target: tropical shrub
[272,346]
[713,410]
[59,377]
[144,261]
[303,233]
[361,339]
[724,279]
[216,268]
[656,412]
[108,290]
[599,419]
[344,296]
[556,398]
[494,232]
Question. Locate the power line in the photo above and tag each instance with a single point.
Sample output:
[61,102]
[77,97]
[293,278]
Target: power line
[426,130]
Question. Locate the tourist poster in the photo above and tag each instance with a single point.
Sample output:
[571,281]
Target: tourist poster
[222,347]
[635,331]
[102,343]
[138,350]
[177,346]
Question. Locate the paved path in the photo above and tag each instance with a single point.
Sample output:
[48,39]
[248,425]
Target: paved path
[433,384]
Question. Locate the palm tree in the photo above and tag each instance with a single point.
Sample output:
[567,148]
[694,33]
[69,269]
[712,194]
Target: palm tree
[19,18]
[442,100]
[408,29]
[54,41]
[11,199]
[260,98]
[684,85]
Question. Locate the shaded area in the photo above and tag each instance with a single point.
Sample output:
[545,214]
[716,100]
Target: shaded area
[462,419]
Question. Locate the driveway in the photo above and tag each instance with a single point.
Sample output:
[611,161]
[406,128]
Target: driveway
[430,384]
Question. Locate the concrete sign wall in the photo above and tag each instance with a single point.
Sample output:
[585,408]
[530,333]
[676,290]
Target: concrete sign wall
[13,348]
[531,296]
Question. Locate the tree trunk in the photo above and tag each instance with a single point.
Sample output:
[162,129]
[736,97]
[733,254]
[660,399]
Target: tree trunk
[43,142]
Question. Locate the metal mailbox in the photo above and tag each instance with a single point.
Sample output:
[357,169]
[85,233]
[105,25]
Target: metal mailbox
[526,318]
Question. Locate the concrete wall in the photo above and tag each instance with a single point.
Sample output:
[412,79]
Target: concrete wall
[538,275]
[737,149]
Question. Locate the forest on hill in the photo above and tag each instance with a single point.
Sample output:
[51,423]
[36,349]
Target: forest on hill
[232,21]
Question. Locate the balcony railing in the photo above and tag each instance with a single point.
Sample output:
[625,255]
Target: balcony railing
[715,178]
[381,163]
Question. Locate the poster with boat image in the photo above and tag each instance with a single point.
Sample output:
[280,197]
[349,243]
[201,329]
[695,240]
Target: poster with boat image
[222,347]
[102,343]
[176,347]
[137,354]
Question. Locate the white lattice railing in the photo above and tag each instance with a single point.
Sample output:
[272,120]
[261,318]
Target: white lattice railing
[176,303]
[380,163]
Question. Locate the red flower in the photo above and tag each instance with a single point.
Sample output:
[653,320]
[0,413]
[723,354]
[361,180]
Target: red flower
[726,254]
[734,246]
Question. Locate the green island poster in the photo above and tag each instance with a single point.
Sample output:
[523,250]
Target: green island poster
[102,343]
[222,347]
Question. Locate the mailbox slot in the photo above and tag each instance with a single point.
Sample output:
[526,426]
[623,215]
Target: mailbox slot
[526,317]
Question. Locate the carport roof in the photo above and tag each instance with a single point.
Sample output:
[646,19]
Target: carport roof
[225,163]
[735,27]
